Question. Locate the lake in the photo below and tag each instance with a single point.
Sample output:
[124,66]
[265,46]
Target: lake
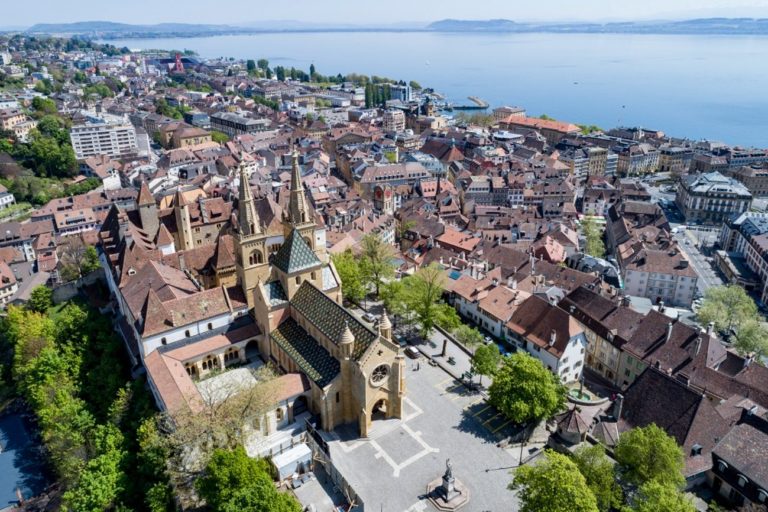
[710,87]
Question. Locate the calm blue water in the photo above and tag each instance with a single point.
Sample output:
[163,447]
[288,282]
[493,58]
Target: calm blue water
[694,86]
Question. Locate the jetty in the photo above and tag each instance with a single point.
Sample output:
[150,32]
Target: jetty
[477,104]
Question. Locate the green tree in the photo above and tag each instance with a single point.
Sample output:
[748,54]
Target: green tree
[648,453]
[232,481]
[349,271]
[468,336]
[376,261]
[41,299]
[312,72]
[524,390]
[486,360]
[654,496]
[220,137]
[250,65]
[101,482]
[416,86]
[263,64]
[553,485]
[422,296]
[594,237]
[598,471]
[43,107]
[752,338]
[728,307]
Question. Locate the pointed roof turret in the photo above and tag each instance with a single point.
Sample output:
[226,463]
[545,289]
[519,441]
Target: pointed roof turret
[163,236]
[295,255]
[384,322]
[247,217]
[346,335]
[298,212]
[145,196]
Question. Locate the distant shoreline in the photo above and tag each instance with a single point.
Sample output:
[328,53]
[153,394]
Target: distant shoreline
[104,30]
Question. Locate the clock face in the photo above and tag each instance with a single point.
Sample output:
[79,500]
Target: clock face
[378,193]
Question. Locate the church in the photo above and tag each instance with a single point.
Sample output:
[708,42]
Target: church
[204,286]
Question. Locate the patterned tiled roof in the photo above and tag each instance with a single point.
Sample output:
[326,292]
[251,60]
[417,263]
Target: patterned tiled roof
[275,293]
[313,360]
[330,318]
[295,255]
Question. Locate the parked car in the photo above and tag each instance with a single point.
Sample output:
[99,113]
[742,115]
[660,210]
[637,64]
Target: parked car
[368,317]
[401,341]
[412,352]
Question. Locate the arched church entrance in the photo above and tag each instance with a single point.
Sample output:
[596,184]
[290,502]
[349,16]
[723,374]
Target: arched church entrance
[379,410]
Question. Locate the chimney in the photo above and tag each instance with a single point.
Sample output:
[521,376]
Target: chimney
[661,306]
[669,331]
[625,301]
[710,328]
[697,347]
[618,403]
[182,266]
[553,338]
[572,309]
[553,300]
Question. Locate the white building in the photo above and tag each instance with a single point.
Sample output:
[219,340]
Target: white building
[111,136]
[551,335]
[661,275]
[6,198]
[8,284]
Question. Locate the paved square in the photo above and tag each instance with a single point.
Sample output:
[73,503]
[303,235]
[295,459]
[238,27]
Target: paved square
[391,469]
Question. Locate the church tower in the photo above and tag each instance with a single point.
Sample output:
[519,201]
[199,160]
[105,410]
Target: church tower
[251,249]
[150,222]
[183,221]
[298,216]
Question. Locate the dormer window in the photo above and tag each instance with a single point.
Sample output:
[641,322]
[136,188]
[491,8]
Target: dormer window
[131,271]
[186,333]
[163,340]
[696,449]
[742,481]
[762,496]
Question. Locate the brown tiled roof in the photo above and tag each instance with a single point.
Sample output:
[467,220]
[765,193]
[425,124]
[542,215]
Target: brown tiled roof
[174,386]
[744,448]
[536,320]
[686,415]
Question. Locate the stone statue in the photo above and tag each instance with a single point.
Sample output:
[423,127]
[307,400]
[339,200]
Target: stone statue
[448,469]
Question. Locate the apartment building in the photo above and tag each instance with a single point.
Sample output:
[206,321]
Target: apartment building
[711,198]
[393,121]
[110,136]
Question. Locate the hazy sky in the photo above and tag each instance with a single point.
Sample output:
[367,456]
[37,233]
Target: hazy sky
[17,13]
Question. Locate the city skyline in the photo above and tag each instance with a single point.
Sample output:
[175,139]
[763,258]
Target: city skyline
[399,11]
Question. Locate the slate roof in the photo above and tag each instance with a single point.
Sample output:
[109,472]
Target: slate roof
[313,360]
[295,255]
[330,318]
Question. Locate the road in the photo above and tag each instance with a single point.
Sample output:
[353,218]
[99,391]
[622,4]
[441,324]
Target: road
[697,244]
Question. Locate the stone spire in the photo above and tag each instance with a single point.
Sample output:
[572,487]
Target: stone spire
[247,216]
[347,341]
[297,207]
[385,326]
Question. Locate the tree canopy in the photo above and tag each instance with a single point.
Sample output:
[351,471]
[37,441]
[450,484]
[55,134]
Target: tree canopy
[348,267]
[485,360]
[234,482]
[594,238]
[648,453]
[423,293]
[376,261]
[734,314]
[524,390]
[654,496]
[553,484]
[598,471]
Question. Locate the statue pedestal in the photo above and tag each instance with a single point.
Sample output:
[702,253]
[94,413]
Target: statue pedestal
[447,494]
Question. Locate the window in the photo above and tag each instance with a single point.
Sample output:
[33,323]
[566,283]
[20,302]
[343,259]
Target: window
[186,333]
[742,481]
[210,326]
[163,341]
[379,374]
[298,279]
[338,397]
